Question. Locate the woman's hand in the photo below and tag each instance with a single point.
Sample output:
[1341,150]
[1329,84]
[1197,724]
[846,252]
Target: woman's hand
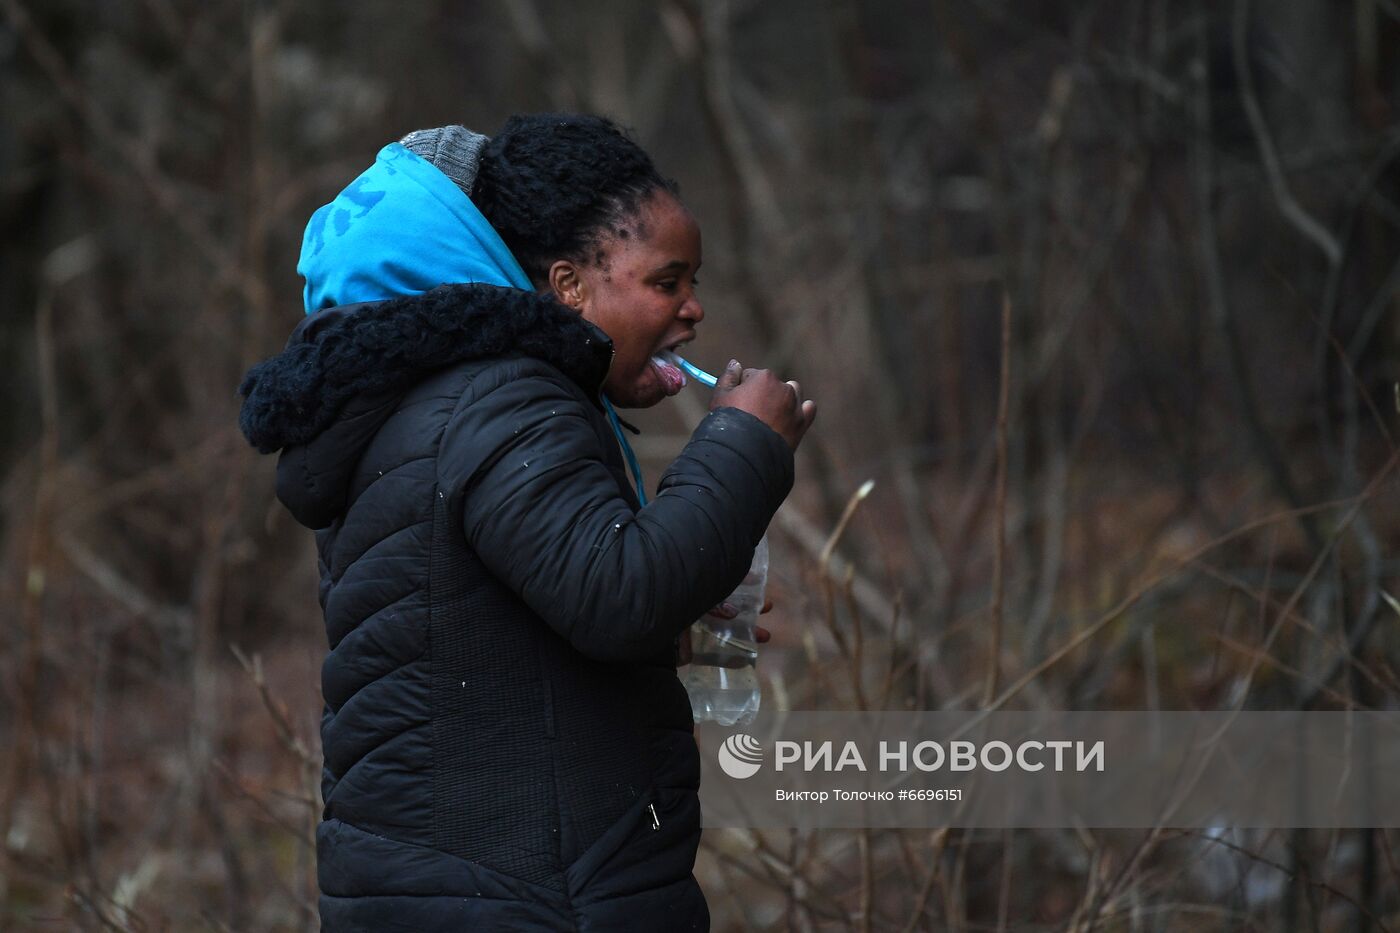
[684,651]
[759,392]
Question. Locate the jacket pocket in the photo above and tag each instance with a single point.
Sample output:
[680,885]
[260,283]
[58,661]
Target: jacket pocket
[637,819]
[652,845]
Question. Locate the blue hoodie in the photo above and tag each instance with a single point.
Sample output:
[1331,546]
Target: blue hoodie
[401,228]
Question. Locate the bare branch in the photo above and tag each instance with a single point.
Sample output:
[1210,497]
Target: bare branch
[999,521]
[1288,205]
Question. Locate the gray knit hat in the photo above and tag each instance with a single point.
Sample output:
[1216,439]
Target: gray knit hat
[454,150]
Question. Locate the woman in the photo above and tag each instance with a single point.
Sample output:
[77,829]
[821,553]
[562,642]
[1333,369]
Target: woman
[506,743]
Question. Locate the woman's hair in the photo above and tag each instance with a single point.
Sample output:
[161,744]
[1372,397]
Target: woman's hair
[553,185]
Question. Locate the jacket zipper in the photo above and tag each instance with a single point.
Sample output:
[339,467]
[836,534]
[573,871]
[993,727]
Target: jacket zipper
[655,821]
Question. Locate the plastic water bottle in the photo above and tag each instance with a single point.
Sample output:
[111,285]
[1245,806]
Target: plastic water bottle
[721,678]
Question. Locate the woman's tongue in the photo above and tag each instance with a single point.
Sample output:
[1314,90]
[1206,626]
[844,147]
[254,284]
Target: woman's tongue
[671,376]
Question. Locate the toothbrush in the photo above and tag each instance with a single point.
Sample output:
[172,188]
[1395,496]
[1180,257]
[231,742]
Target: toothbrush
[695,372]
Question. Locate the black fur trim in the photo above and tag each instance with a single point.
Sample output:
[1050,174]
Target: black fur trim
[385,346]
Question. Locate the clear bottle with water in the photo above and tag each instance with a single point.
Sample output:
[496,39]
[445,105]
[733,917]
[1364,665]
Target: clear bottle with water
[722,679]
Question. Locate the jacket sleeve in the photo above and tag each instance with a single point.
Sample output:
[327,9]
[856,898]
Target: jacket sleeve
[543,511]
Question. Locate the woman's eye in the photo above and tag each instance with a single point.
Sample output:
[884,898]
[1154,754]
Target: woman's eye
[670,285]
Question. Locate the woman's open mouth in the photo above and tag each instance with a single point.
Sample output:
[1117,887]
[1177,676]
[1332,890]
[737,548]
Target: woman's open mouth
[664,362]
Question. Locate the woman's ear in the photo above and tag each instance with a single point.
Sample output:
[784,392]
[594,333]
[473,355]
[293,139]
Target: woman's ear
[566,283]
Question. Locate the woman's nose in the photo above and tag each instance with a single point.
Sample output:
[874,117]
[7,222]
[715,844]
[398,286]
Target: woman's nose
[692,310]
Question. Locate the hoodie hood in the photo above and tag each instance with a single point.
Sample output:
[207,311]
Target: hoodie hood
[381,313]
[380,318]
[400,228]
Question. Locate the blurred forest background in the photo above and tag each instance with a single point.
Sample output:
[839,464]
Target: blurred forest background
[1170,486]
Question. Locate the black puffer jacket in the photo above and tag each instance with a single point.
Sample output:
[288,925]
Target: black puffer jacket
[507,746]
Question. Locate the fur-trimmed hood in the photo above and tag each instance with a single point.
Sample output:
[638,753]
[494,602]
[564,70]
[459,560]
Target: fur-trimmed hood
[382,348]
